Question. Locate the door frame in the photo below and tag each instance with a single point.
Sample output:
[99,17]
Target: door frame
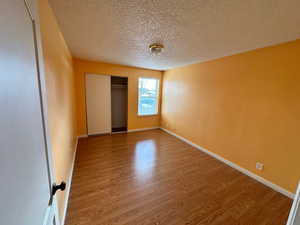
[295,207]
[32,8]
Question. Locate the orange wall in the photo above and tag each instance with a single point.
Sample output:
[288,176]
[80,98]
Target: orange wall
[134,121]
[60,97]
[243,107]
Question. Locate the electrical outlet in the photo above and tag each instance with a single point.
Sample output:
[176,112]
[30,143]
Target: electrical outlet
[259,166]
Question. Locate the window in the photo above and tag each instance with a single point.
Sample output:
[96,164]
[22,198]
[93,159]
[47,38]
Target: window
[148,96]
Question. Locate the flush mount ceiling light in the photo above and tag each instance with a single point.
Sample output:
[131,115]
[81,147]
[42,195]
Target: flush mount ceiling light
[156,48]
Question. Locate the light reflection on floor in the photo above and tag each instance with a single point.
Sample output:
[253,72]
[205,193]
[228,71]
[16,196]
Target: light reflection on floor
[144,159]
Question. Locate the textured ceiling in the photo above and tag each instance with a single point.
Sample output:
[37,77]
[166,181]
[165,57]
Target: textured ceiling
[120,31]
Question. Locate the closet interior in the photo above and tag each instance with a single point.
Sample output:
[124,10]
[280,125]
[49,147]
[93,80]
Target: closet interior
[119,90]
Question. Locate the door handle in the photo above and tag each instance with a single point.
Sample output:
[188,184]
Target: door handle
[56,187]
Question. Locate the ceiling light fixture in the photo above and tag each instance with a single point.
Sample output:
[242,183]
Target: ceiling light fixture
[156,48]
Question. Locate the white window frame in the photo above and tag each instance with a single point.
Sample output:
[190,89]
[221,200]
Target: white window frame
[157,96]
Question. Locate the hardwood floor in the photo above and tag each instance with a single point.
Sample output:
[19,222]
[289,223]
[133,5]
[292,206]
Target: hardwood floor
[153,178]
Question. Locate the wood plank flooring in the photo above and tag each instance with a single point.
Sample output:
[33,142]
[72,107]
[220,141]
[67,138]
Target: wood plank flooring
[153,178]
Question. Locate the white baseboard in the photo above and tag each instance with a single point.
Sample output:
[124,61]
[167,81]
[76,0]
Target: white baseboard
[235,166]
[142,129]
[119,132]
[216,156]
[82,136]
[69,182]
[128,131]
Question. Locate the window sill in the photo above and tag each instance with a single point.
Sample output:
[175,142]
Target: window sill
[156,114]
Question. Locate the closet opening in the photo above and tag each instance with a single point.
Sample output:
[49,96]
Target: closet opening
[119,96]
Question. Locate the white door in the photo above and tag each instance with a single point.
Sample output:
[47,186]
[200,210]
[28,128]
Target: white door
[294,218]
[98,103]
[25,166]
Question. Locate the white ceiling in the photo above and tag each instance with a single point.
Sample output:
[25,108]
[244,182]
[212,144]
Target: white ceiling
[120,31]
